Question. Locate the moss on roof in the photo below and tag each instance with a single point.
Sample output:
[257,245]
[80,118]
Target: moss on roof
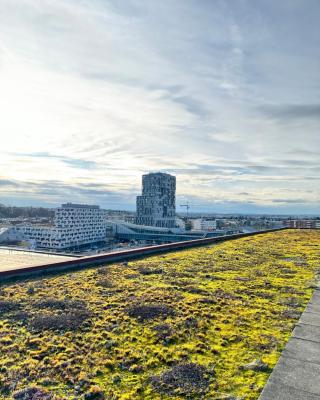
[205,323]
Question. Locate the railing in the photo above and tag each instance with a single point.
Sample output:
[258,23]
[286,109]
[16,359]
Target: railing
[123,255]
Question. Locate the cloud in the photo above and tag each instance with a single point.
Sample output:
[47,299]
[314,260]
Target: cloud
[96,93]
[290,201]
[79,163]
[291,112]
[52,191]
[8,183]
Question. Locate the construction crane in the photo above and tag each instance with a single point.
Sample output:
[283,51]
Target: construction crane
[187,208]
[187,222]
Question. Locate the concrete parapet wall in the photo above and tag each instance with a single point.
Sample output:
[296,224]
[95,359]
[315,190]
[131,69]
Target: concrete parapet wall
[124,255]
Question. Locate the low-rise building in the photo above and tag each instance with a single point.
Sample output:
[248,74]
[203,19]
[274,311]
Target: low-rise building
[201,224]
[302,223]
[180,223]
[10,234]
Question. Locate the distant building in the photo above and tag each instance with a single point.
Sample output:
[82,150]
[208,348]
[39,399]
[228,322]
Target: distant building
[200,224]
[74,225]
[180,223]
[151,234]
[302,223]
[10,234]
[157,204]
[119,215]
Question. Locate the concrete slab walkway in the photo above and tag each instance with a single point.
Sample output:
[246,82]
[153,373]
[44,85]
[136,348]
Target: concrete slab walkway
[297,374]
[11,259]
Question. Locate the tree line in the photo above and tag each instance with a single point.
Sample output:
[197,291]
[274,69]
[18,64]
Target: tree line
[25,212]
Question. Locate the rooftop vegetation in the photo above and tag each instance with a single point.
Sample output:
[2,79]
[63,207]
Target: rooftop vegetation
[205,323]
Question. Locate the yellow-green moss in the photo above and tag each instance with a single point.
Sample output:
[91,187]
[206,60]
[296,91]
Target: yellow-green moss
[233,303]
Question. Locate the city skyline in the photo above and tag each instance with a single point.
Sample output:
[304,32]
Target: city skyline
[224,95]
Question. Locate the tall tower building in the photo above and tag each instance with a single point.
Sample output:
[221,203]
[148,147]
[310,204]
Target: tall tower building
[157,205]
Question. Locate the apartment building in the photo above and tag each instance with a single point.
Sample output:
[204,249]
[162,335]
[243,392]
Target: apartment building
[74,225]
[157,204]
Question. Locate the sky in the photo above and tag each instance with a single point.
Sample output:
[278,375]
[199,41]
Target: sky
[224,94]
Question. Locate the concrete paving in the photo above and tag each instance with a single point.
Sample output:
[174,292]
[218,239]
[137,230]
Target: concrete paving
[11,259]
[297,373]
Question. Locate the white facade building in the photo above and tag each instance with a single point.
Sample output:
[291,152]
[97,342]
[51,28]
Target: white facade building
[157,204]
[200,224]
[74,225]
[10,234]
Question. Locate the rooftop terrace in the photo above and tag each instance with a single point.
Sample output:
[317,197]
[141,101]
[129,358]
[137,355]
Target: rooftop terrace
[205,323]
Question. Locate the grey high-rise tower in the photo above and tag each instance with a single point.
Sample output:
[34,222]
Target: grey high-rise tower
[157,205]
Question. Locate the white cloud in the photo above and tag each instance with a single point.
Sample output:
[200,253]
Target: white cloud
[127,87]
